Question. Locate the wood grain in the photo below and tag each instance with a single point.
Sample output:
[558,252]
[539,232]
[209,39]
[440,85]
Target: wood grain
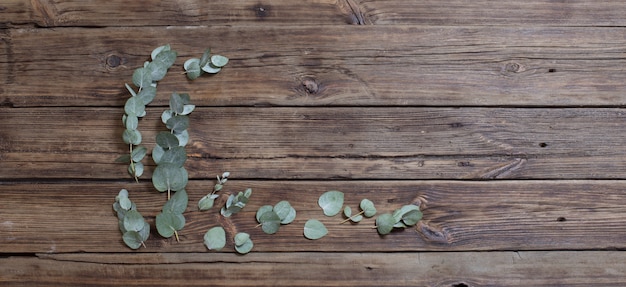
[448,269]
[458,216]
[327,143]
[334,66]
[54,13]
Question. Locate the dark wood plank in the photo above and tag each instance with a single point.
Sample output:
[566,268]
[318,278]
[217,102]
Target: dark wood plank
[458,216]
[326,143]
[337,65]
[51,13]
[595,268]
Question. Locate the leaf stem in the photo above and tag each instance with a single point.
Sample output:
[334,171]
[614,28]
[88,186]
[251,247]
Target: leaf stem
[176,234]
[350,218]
[132,164]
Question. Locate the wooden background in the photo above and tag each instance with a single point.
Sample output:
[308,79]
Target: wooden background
[503,118]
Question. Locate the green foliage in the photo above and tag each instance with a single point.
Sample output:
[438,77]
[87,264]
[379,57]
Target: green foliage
[145,79]
[243,243]
[171,219]
[314,229]
[208,200]
[406,216]
[367,209]
[135,230]
[236,203]
[208,63]
[270,218]
[215,238]
[331,202]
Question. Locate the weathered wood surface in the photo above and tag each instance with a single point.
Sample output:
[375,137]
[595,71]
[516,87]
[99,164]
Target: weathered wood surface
[504,119]
[337,65]
[327,143]
[594,268]
[54,13]
[458,216]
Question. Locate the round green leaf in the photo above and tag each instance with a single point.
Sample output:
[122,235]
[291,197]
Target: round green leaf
[385,223]
[122,194]
[399,213]
[132,137]
[134,106]
[178,123]
[175,156]
[125,203]
[263,209]
[347,211]
[132,239]
[282,209]
[177,203]
[192,68]
[166,115]
[187,109]
[245,247]
[135,169]
[138,153]
[314,229]
[133,221]
[241,238]
[157,153]
[331,202]
[219,61]
[145,232]
[142,77]
[167,223]
[215,238]
[270,222]
[177,103]
[368,208]
[147,94]
[158,50]
[412,217]
[131,122]
[167,176]
[207,201]
[183,138]
[159,66]
[167,140]
[356,218]
[211,69]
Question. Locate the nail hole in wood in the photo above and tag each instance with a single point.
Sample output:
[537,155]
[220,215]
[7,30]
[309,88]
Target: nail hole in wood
[561,219]
[543,145]
[551,70]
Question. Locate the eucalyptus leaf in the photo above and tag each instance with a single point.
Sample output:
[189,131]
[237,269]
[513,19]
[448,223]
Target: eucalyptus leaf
[134,106]
[176,156]
[241,238]
[211,69]
[136,169]
[347,211]
[169,177]
[314,229]
[125,203]
[157,153]
[412,217]
[331,202]
[130,90]
[206,56]
[131,122]
[399,213]
[177,203]
[368,207]
[356,218]
[132,239]
[167,223]
[145,232]
[142,77]
[285,212]
[219,61]
[132,137]
[166,115]
[138,153]
[177,103]
[187,109]
[133,221]
[215,238]
[270,222]
[183,138]
[207,201]
[178,123]
[192,68]
[167,140]
[263,209]
[159,66]
[385,223]
[147,94]
[245,247]
[158,50]
[123,158]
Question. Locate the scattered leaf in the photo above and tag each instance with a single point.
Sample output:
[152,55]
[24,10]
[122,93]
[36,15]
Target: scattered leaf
[368,207]
[192,67]
[263,209]
[385,223]
[270,222]
[314,229]
[241,238]
[215,238]
[245,247]
[133,221]
[132,239]
[168,223]
[207,201]
[331,202]
[219,61]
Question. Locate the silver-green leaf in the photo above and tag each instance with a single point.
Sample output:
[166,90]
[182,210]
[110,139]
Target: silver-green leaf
[215,238]
[331,202]
[314,229]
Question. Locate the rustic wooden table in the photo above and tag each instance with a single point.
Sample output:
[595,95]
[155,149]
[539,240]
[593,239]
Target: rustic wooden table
[503,118]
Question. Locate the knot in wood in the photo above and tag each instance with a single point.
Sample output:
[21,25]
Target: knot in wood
[513,68]
[113,61]
[310,86]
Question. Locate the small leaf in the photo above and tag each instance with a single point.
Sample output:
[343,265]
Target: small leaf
[142,77]
[247,194]
[183,138]
[159,66]
[285,212]
[131,122]
[125,203]
[139,153]
[177,203]
[412,217]
[123,158]
[134,106]
[167,223]
[166,115]
[130,90]
[166,140]
[206,56]
[133,221]
[145,232]
[219,61]
[122,194]
[399,213]
[270,222]
[158,50]
[331,202]
[187,109]
[135,169]
[132,239]
[177,104]
[368,208]
[192,67]
[178,123]
[356,218]
[385,223]
[241,238]
[314,229]
[207,201]
[347,211]
[215,238]
[169,177]
[176,156]
[132,137]
[263,209]
[209,68]
[157,153]
[147,94]
[245,247]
